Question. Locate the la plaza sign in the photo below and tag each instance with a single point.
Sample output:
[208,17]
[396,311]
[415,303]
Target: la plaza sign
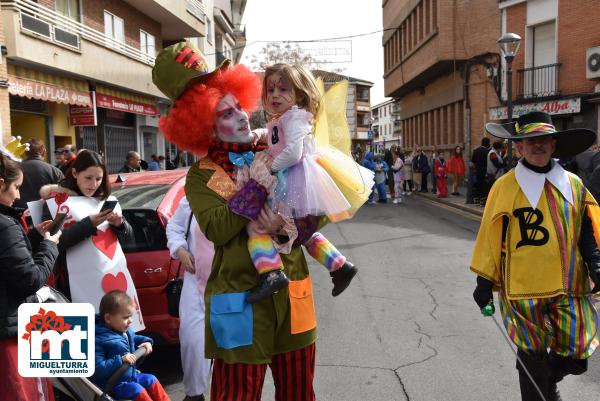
[552,107]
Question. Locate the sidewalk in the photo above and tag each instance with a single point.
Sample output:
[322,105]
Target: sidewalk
[457,202]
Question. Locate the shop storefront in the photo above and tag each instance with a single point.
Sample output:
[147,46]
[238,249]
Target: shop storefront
[39,104]
[116,131]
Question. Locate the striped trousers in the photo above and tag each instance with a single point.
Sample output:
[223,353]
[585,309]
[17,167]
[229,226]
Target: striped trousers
[293,374]
[567,325]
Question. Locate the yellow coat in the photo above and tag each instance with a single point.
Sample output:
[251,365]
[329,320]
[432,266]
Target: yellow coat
[540,257]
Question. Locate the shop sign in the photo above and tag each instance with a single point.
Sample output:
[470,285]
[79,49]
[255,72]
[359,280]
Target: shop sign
[552,107]
[79,116]
[47,92]
[129,106]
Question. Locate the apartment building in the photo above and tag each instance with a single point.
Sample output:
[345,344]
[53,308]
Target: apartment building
[79,71]
[358,106]
[441,63]
[557,69]
[386,125]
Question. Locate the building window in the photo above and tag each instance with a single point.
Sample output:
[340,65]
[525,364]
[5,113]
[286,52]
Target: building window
[114,28]
[69,9]
[147,44]
[209,32]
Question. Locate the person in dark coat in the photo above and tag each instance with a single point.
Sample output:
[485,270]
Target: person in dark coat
[389,159]
[479,165]
[115,344]
[25,265]
[36,173]
[132,163]
[421,165]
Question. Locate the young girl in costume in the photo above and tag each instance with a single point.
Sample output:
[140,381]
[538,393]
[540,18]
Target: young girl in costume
[441,174]
[310,182]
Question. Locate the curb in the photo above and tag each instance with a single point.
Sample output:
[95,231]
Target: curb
[464,208]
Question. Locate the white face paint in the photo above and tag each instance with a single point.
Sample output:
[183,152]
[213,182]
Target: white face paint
[232,123]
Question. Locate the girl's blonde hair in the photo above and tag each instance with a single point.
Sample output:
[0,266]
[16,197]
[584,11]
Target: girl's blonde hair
[308,96]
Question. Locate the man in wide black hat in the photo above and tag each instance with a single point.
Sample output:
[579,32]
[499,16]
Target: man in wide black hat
[536,247]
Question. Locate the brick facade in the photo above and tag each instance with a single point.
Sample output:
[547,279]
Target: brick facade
[424,62]
[134,20]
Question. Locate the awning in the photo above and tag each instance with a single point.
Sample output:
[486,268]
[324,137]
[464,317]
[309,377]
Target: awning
[116,99]
[34,84]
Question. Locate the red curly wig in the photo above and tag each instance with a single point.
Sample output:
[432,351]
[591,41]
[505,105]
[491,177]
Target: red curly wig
[190,123]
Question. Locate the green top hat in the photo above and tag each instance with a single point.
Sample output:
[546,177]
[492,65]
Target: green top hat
[179,66]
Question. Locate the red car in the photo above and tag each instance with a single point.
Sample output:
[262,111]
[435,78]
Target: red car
[148,200]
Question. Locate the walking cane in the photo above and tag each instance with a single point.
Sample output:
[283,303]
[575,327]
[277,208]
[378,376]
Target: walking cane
[489,310]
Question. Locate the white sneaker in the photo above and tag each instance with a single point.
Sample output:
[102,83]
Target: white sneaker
[403,193]
[399,201]
[410,193]
[395,201]
[372,202]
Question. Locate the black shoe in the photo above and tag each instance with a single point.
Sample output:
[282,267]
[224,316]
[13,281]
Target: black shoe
[342,277]
[553,393]
[268,284]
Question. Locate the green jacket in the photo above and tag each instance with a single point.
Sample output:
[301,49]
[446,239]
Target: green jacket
[207,189]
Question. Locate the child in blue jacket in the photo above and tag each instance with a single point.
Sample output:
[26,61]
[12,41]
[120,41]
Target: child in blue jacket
[115,344]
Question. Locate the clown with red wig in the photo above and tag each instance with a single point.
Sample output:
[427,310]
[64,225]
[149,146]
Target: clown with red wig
[209,117]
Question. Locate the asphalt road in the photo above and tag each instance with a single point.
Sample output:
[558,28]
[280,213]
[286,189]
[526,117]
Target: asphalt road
[407,328]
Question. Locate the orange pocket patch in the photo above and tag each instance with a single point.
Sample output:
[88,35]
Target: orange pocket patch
[302,306]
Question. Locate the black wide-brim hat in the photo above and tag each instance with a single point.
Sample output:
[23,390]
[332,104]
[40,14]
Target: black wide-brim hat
[536,124]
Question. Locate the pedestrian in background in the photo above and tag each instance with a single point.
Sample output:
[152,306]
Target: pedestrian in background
[195,253]
[456,170]
[153,164]
[397,169]
[495,165]
[36,173]
[59,157]
[369,163]
[479,170]
[441,175]
[421,167]
[388,157]
[434,157]
[408,184]
[381,170]
[68,156]
[132,163]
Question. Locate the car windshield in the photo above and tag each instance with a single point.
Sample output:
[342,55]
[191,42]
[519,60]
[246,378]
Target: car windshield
[140,196]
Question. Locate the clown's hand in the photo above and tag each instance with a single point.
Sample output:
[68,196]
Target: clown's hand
[483,294]
[260,171]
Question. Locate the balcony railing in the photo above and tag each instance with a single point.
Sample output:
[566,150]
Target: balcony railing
[196,8]
[540,81]
[49,25]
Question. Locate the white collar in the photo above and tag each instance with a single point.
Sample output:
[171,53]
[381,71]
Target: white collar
[532,183]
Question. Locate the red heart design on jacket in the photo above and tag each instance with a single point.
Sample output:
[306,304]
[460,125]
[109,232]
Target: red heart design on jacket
[111,282]
[106,242]
[61,198]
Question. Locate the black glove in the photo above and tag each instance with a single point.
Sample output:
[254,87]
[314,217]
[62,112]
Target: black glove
[483,292]
[594,270]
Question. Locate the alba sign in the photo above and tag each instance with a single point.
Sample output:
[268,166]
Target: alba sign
[553,107]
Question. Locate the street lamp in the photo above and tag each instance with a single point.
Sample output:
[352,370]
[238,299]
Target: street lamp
[509,46]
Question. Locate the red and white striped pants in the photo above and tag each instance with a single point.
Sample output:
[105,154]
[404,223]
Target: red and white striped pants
[293,374]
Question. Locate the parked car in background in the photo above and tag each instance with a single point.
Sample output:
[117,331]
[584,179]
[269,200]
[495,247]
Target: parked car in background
[148,200]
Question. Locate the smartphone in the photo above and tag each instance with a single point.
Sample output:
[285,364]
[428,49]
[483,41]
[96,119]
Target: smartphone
[109,205]
[57,223]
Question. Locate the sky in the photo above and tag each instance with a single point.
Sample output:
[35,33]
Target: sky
[275,20]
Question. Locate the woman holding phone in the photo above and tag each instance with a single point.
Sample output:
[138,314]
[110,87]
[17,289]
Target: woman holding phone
[25,265]
[91,262]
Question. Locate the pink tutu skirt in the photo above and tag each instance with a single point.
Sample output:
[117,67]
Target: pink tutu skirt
[307,189]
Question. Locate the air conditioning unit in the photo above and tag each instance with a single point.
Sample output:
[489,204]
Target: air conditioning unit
[592,63]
